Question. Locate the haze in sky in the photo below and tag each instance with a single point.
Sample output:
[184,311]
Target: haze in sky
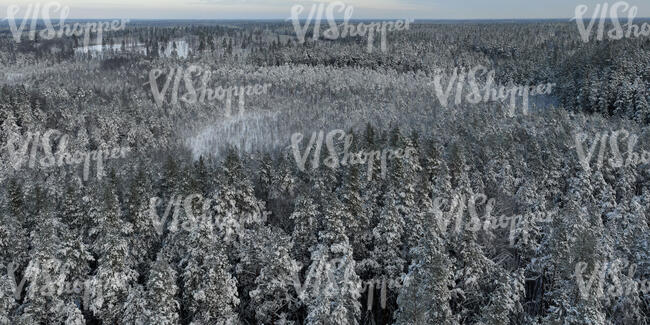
[363,9]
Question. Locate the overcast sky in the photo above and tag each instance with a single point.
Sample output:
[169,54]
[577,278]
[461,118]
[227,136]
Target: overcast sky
[363,9]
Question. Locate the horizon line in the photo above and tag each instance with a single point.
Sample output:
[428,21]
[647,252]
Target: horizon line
[356,19]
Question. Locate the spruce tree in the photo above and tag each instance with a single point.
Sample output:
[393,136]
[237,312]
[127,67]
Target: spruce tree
[426,293]
[144,238]
[116,272]
[14,240]
[7,299]
[43,302]
[305,230]
[162,307]
[332,286]
[209,289]
[272,299]
[576,239]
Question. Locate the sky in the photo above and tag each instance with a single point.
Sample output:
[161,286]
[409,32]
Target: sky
[363,9]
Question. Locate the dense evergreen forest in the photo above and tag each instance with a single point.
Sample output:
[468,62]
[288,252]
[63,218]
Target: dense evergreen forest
[208,219]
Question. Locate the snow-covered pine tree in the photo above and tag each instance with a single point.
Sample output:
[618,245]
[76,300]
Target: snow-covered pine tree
[527,231]
[135,306]
[629,227]
[426,292]
[7,299]
[272,299]
[72,315]
[171,180]
[504,303]
[162,307]
[576,237]
[74,212]
[441,188]
[202,176]
[236,208]
[305,231]
[209,290]
[641,107]
[75,268]
[14,240]
[284,181]
[43,302]
[414,219]
[357,224]
[332,287]
[115,274]
[388,255]
[10,131]
[266,176]
[145,239]
[603,194]
[178,225]
[472,269]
